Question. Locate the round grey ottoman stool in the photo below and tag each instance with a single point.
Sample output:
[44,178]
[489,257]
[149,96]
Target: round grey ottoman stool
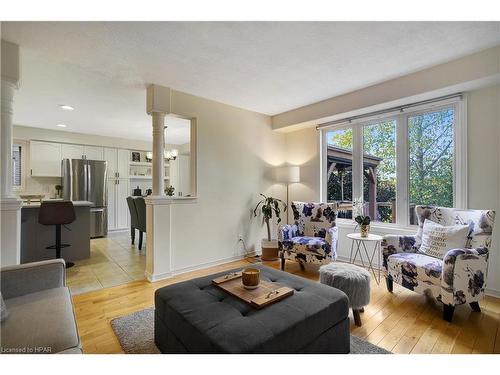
[352,280]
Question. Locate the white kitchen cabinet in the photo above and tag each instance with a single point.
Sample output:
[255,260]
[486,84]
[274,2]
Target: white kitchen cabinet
[111,190]
[69,151]
[93,153]
[122,213]
[45,159]
[123,162]
[118,213]
[118,162]
[118,187]
[110,157]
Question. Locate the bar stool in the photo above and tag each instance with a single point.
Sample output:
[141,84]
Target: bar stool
[57,213]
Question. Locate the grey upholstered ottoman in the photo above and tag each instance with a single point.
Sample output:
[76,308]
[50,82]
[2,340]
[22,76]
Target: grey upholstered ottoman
[197,317]
[352,280]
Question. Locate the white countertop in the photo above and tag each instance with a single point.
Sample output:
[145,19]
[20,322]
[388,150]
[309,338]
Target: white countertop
[75,203]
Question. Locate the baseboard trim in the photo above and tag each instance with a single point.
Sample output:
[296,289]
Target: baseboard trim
[119,230]
[211,264]
[492,292]
[153,278]
[180,271]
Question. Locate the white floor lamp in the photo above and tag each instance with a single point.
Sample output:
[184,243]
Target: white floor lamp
[288,175]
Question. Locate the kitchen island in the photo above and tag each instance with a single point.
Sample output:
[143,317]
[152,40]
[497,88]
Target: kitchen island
[36,237]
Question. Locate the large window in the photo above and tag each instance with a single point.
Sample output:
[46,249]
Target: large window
[339,169]
[430,159]
[379,171]
[391,164]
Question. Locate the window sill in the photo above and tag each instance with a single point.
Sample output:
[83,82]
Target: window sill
[378,227]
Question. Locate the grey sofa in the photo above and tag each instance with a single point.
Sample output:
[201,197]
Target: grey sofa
[40,316]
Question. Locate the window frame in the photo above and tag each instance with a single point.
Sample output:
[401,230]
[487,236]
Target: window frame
[459,106]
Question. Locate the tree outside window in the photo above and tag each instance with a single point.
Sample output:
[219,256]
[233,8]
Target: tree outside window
[430,142]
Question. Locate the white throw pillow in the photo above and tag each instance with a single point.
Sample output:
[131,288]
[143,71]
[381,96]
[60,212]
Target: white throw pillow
[438,239]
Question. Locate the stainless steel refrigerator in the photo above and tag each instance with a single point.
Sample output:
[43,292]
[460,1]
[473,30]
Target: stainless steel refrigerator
[85,180]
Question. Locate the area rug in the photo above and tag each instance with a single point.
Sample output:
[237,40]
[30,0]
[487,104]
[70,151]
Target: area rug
[136,335]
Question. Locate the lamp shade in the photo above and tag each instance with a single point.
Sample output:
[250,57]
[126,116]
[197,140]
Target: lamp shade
[288,174]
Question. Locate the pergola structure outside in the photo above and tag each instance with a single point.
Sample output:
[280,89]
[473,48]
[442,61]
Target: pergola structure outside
[340,159]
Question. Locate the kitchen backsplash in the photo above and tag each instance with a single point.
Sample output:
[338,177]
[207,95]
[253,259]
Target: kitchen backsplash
[41,185]
[46,186]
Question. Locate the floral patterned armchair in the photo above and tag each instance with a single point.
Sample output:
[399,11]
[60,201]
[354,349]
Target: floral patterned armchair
[313,236]
[456,279]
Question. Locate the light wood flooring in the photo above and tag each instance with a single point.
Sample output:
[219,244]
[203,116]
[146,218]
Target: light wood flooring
[402,322]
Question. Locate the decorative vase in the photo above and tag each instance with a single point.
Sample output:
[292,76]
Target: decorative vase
[365,230]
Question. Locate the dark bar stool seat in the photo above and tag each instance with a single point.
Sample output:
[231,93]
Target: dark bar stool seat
[57,213]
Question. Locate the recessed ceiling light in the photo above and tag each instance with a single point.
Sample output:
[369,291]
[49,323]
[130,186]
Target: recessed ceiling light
[61,125]
[66,107]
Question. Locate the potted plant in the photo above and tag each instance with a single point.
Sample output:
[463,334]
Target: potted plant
[269,206]
[364,224]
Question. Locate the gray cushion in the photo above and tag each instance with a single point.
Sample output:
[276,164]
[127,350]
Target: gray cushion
[349,278]
[3,309]
[207,320]
[40,320]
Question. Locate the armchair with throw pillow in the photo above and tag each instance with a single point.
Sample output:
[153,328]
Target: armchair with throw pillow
[431,262]
[313,236]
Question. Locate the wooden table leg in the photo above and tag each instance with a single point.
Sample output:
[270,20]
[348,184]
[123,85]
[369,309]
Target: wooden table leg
[357,317]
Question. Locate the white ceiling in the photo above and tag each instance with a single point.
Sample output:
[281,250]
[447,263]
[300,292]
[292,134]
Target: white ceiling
[102,68]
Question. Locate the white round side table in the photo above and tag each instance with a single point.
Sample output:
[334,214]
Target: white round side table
[359,242]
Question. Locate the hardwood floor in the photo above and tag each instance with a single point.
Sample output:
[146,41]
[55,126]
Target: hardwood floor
[402,322]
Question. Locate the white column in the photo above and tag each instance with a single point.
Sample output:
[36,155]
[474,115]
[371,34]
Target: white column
[8,89]
[158,206]
[158,152]
[10,206]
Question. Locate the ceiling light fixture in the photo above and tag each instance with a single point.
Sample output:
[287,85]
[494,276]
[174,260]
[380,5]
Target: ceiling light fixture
[66,107]
[61,125]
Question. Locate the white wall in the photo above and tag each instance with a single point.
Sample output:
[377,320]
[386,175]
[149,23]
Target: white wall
[463,74]
[28,133]
[483,145]
[235,155]
[303,149]
[483,121]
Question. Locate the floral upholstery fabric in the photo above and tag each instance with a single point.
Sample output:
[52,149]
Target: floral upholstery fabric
[461,275]
[313,236]
[480,222]
[417,272]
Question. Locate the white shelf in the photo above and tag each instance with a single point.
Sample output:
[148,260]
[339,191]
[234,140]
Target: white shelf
[145,177]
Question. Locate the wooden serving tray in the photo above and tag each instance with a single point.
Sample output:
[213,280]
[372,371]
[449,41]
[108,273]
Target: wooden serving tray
[265,294]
